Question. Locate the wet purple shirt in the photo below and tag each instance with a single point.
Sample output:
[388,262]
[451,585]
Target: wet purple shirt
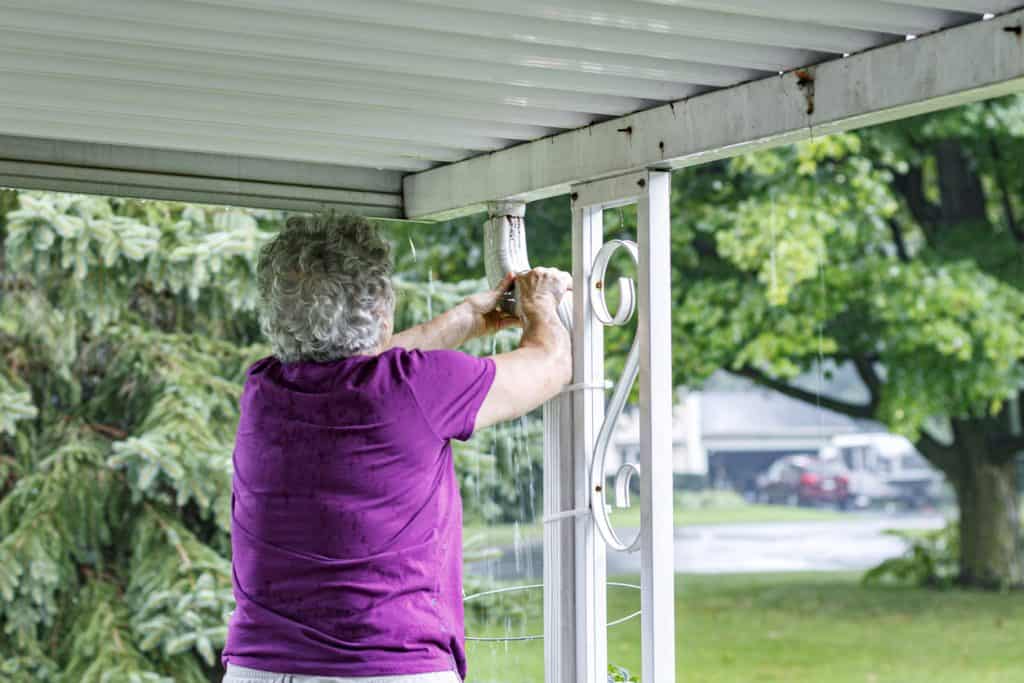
[346,520]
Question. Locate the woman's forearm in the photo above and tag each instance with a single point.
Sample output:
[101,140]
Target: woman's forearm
[544,330]
[449,330]
[476,316]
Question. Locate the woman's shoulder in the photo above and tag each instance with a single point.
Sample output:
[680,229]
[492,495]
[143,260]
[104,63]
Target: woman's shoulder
[414,359]
[428,370]
[400,364]
[262,366]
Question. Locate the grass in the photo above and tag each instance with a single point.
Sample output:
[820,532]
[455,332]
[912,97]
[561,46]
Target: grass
[796,628]
[724,509]
[689,509]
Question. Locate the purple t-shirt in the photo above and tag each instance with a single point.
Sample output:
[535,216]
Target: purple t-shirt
[346,520]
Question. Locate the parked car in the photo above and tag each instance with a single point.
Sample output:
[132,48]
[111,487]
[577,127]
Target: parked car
[804,480]
[885,469]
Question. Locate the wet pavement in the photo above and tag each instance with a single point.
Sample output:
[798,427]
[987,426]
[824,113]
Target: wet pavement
[857,543]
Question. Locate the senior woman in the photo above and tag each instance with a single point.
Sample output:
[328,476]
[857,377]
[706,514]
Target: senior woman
[346,520]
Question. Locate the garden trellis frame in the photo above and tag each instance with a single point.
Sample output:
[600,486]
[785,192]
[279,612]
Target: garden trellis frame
[428,109]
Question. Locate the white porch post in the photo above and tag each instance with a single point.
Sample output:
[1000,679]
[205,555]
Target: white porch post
[588,413]
[559,541]
[577,642]
[655,330]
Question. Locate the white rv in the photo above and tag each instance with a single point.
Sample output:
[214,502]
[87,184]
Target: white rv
[885,469]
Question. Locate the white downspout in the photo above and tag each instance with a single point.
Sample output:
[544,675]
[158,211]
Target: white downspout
[505,252]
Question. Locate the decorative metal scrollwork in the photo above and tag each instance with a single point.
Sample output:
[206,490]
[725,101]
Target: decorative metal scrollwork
[627,306]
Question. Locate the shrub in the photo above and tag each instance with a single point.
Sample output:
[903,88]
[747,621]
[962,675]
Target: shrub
[931,560]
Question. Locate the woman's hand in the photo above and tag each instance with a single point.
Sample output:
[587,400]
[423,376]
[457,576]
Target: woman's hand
[542,365]
[542,288]
[487,317]
[476,316]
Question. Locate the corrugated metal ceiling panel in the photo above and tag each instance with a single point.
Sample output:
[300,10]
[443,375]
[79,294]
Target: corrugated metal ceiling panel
[402,85]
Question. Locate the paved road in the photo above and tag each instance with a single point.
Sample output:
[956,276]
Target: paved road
[850,544]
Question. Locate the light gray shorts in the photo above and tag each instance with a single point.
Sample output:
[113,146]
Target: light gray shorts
[240,674]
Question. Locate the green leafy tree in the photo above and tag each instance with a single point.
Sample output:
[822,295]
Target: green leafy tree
[126,328]
[898,252]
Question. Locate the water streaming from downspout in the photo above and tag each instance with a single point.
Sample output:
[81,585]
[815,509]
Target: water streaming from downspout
[430,294]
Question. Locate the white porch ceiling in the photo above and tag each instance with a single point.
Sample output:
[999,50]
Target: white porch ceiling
[296,104]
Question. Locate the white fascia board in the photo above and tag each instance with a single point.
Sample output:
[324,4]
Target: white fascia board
[945,69]
[92,168]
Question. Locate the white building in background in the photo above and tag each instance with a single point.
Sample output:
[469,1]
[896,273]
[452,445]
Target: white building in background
[688,453]
[727,436]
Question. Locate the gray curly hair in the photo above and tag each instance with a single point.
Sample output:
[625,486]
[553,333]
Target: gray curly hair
[325,288]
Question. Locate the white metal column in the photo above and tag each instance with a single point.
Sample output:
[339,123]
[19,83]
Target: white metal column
[575,597]
[655,330]
[588,413]
[559,541]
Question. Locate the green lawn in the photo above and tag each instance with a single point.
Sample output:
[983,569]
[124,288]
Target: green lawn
[797,628]
[689,509]
[726,512]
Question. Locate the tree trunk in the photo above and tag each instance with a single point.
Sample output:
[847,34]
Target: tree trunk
[963,196]
[990,534]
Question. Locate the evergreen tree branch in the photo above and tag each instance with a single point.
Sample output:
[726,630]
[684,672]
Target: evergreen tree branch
[100,648]
[179,590]
[108,431]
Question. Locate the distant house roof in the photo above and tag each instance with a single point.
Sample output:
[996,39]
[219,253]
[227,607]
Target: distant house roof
[750,419]
[762,411]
